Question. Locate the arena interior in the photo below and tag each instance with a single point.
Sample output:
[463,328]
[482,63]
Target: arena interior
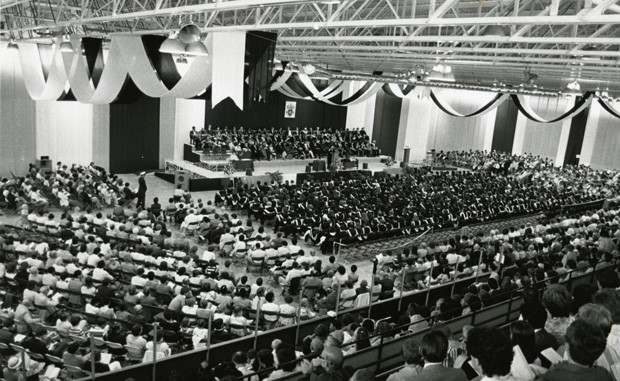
[249,190]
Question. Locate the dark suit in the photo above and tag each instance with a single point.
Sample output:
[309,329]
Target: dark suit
[545,340]
[439,373]
[141,192]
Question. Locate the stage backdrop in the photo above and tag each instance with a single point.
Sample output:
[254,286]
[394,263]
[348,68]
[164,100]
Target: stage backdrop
[134,136]
[256,115]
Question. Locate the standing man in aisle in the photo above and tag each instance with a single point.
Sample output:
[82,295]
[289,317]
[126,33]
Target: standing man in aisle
[141,191]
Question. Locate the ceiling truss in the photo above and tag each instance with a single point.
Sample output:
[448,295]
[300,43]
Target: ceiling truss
[559,40]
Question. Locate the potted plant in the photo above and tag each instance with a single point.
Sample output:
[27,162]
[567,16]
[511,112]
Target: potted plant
[276,176]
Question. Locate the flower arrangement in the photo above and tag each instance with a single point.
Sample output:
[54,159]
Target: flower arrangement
[276,176]
[229,168]
[335,166]
[389,162]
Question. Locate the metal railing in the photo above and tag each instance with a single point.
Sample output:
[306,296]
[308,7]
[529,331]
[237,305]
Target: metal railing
[382,357]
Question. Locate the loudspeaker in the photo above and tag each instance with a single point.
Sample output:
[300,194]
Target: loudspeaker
[364,165]
[182,178]
[45,164]
[248,172]
[406,154]
[308,168]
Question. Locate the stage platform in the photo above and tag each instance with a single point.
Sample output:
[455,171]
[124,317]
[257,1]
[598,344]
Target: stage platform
[204,178]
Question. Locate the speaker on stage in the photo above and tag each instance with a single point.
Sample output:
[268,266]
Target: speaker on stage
[308,168]
[182,178]
[248,172]
[364,165]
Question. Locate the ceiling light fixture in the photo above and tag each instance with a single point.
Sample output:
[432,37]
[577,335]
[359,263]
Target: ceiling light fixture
[66,47]
[440,73]
[308,68]
[573,89]
[494,31]
[172,45]
[189,33]
[197,49]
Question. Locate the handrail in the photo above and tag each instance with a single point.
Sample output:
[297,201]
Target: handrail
[481,317]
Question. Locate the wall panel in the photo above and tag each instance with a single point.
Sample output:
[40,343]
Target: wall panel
[606,153]
[101,135]
[542,139]
[134,136]
[450,133]
[65,124]
[17,117]
[505,126]
[386,122]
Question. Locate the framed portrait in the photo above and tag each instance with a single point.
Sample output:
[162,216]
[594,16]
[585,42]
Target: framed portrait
[290,109]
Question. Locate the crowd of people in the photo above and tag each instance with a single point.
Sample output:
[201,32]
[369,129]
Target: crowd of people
[349,210]
[120,288]
[65,187]
[271,144]
[113,276]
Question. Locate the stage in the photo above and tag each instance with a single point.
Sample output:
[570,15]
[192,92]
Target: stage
[203,177]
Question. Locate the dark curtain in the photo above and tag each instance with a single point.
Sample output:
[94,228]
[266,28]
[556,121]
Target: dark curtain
[386,122]
[575,137]
[260,49]
[259,115]
[134,136]
[505,125]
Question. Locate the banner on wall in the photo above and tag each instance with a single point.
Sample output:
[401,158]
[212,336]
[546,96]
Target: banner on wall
[290,109]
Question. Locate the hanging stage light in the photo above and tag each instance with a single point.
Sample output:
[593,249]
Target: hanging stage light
[189,33]
[197,49]
[172,46]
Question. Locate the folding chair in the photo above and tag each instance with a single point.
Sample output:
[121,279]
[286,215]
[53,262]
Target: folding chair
[134,354]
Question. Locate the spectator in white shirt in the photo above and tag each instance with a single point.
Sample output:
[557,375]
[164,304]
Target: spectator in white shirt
[270,306]
[99,274]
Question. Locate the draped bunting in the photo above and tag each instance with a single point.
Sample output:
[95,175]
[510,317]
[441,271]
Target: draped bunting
[39,86]
[395,90]
[228,65]
[609,108]
[112,78]
[284,84]
[524,107]
[496,101]
[280,79]
[91,76]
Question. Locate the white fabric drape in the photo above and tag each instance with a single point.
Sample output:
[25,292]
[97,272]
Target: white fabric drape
[112,78]
[281,80]
[32,68]
[606,152]
[228,58]
[453,133]
[141,70]
[533,115]
[541,139]
[65,131]
[482,97]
